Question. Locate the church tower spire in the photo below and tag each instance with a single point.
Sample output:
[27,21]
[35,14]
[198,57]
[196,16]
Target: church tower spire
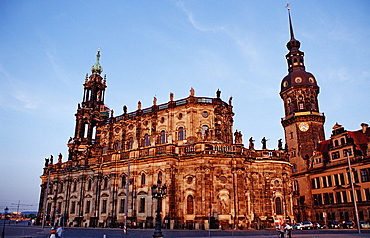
[295,56]
[303,123]
[91,112]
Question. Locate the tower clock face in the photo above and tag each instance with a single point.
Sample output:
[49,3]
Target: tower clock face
[303,126]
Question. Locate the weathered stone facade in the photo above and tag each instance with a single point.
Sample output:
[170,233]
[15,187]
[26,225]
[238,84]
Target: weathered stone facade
[187,144]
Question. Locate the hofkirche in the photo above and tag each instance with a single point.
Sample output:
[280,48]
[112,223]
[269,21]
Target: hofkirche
[212,180]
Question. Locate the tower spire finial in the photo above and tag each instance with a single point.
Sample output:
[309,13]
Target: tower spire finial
[290,22]
[96,68]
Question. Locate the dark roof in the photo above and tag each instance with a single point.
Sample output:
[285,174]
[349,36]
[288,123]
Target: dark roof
[307,79]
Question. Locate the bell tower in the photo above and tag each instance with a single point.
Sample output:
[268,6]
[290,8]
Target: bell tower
[90,113]
[303,123]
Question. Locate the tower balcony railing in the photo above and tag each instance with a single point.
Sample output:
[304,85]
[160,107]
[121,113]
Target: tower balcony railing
[305,113]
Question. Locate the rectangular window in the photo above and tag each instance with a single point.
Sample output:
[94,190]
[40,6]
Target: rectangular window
[336,179]
[344,196]
[342,181]
[367,194]
[315,199]
[326,198]
[324,183]
[104,207]
[87,208]
[330,183]
[359,196]
[313,182]
[331,198]
[319,199]
[73,207]
[122,206]
[364,175]
[339,197]
[142,205]
[318,185]
[347,151]
[355,176]
[335,155]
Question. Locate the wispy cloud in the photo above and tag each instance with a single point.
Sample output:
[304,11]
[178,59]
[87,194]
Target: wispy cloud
[12,94]
[198,26]
[24,99]
[246,45]
[340,74]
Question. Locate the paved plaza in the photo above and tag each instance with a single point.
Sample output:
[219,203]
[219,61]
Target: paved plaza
[19,231]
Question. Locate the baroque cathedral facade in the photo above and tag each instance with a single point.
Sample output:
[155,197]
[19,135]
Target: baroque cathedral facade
[188,145]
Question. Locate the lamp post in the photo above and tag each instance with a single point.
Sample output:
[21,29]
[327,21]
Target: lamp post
[5,213]
[158,192]
[353,194]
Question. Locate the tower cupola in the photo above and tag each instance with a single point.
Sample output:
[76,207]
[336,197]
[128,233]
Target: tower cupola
[97,68]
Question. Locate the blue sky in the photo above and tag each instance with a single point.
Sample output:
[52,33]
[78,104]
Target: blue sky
[152,48]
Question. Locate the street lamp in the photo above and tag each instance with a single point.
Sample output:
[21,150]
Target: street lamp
[5,213]
[158,192]
[353,194]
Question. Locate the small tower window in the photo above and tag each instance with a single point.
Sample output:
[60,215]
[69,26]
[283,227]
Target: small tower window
[94,133]
[86,129]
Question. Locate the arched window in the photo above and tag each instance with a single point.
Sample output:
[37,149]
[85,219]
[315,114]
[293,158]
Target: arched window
[89,185]
[117,145]
[190,205]
[336,143]
[61,187]
[146,140]
[142,179]
[163,137]
[130,143]
[123,181]
[94,133]
[181,133]
[86,129]
[74,186]
[278,206]
[205,132]
[105,184]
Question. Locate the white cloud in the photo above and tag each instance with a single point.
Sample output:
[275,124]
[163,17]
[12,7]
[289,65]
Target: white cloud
[196,24]
[24,99]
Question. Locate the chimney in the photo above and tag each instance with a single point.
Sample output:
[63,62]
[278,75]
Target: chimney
[364,127]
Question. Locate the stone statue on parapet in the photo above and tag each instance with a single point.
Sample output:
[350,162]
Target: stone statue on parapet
[251,143]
